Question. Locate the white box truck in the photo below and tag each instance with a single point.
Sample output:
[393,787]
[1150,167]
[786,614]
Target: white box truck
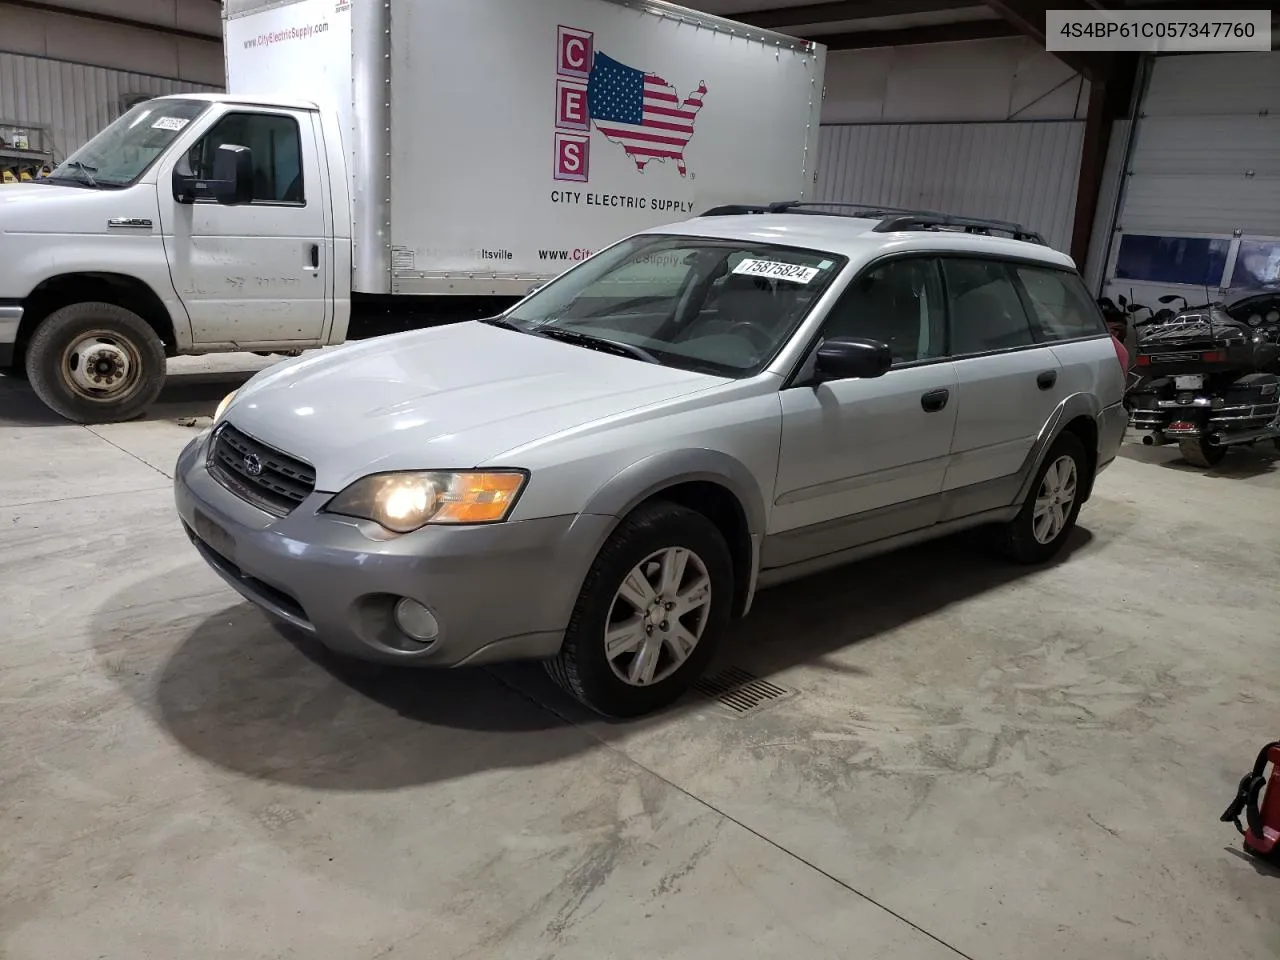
[385,164]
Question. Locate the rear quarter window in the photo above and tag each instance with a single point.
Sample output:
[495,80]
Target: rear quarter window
[1060,307]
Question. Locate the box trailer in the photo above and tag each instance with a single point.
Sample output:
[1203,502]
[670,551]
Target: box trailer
[387,164]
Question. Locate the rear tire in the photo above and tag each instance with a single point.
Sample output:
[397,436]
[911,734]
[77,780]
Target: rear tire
[1200,453]
[1048,515]
[96,363]
[629,650]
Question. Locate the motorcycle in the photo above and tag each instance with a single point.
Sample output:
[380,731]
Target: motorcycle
[1207,377]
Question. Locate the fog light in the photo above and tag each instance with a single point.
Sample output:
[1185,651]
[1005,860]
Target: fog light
[416,621]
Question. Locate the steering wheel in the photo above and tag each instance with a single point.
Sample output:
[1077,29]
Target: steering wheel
[759,339]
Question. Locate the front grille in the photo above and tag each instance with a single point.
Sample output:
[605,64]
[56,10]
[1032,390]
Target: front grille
[271,480]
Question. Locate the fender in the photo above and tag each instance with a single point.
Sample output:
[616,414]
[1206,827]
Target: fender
[1076,405]
[636,483]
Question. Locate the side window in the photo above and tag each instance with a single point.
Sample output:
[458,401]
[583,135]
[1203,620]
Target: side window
[898,303]
[985,309]
[277,154]
[1060,306]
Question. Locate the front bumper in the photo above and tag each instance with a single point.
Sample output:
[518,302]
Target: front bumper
[499,592]
[10,320]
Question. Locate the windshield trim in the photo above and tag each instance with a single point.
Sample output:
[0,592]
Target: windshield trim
[677,361]
[146,168]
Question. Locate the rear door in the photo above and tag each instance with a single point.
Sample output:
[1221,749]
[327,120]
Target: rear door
[1008,382]
[257,273]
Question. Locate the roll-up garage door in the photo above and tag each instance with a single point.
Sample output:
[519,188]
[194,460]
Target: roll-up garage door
[1199,212]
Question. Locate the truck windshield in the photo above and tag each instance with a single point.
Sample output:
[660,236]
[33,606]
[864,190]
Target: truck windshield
[723,307]
[122,152]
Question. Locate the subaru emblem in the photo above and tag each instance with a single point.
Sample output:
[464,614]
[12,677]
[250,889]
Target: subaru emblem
[253,465]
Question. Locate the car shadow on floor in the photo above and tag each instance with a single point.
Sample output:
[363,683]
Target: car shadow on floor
[186,394]
[247,696]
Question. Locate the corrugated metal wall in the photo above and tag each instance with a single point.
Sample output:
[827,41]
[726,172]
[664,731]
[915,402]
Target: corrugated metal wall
[72,100]
[1025,172]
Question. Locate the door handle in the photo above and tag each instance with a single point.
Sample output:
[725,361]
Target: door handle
[1047,379]
[313,255]
[935,400]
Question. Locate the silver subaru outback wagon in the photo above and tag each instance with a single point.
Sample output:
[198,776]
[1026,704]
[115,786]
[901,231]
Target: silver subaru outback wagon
[604,475]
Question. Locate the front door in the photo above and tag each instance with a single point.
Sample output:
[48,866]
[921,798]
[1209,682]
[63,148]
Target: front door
[261,272]
[865,459]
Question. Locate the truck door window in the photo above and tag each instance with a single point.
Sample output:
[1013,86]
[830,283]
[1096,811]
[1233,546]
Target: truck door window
[277,154]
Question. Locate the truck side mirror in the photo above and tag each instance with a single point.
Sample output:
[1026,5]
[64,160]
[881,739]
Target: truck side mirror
[232,182]
[232,175]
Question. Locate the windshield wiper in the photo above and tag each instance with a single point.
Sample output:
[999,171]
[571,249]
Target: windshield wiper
[86,170]
[502,322]
[615,347]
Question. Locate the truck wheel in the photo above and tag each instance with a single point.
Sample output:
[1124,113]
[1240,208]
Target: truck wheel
[1200,453]
[1049,513]
[96,363]
[650,612]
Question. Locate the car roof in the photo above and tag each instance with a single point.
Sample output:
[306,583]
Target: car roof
[251,100]
[854,237]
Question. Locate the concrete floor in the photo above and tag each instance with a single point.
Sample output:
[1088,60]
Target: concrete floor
[978,762]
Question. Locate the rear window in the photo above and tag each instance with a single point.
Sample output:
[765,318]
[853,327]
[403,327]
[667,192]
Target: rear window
[1061,308]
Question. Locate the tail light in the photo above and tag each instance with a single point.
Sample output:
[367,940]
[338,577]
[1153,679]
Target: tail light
[1122,355]
[1144,360]
[1214,356]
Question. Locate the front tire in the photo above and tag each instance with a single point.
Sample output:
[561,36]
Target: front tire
[1049,513]
[96,363]
[1200,453]
[650,613]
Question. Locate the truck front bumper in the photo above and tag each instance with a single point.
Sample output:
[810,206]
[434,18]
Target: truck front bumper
[497,592]
[10,320]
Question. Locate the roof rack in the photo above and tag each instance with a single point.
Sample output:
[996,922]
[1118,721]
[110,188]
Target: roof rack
[892,219]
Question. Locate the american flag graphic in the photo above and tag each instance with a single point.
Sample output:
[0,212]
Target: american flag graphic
[641,111]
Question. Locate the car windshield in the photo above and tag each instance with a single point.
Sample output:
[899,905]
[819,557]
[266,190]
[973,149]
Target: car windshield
[122,152]
[723,307]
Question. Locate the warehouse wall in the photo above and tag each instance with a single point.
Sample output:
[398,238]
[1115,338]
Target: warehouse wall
[989,128]
[155,52]
[72,101]
[1004,79]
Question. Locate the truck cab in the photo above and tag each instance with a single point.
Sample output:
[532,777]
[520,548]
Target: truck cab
[196,223]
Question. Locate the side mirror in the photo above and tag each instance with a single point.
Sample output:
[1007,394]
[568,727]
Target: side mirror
[232,182]
[232,175]
[847,358]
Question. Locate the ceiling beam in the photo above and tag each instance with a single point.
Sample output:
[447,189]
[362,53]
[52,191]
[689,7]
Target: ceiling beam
[1028,17]
[939,33]
[811,13]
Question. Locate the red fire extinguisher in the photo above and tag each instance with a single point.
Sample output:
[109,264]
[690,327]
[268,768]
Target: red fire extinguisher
[1258,799]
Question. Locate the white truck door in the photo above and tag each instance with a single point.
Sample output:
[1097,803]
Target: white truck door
[257,273]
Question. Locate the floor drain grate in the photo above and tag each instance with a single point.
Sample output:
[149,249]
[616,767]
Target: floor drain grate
[740,691]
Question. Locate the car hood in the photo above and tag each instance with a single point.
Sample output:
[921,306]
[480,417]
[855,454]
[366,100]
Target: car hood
[449,397]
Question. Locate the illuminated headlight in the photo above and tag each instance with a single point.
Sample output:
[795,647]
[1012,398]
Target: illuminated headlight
[222,407]
[403,502]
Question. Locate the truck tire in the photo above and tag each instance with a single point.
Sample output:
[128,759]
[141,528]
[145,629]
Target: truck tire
[96,363]
[652,607]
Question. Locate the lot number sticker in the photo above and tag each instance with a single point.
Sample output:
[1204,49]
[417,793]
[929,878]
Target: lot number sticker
[169,123]
[773,270]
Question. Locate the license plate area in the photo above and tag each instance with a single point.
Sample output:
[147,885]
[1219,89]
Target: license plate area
[217,539]
[1188,381]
